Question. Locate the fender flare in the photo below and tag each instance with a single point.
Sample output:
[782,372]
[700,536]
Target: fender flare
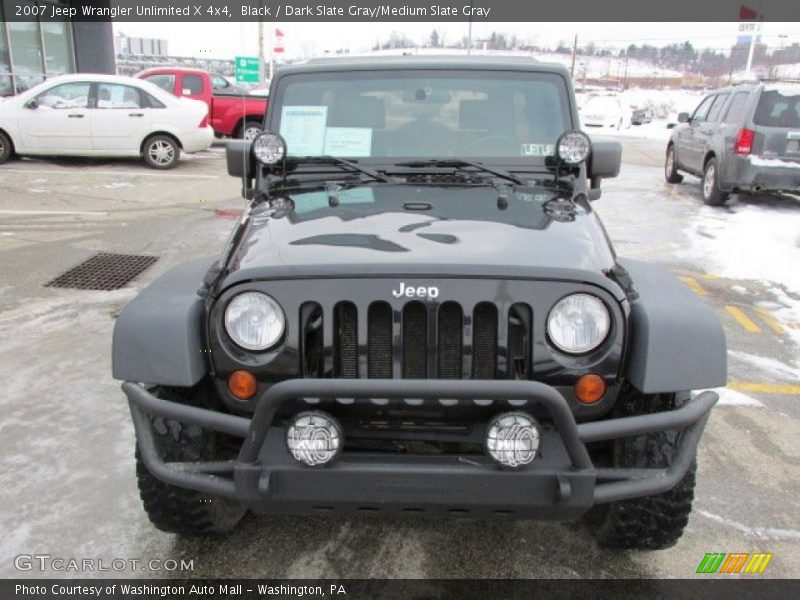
[676,342]
[158,336]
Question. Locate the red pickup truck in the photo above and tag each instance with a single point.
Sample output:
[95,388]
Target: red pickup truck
[232,110]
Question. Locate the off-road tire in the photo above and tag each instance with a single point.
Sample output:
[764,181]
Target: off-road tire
[178,510]
[246,129]
[152,148]
[712,195]
[671,166]
[6,148]
[652,522]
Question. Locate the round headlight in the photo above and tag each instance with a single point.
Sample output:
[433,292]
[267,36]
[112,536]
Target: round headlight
[254,321]
[578,323]
[269,148]
[573,147]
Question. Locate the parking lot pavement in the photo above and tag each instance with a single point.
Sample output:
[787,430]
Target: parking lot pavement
[66,442]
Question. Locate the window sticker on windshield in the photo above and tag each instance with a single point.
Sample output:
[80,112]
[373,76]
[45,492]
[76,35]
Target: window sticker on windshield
[303,128]
[537,150]
[348,141]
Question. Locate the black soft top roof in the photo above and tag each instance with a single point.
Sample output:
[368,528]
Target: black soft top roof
[493,63]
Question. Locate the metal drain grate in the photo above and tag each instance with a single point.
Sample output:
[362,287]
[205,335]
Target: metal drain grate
[104,272]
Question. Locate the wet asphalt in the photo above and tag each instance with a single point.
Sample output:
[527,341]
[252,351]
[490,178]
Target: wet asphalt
[67,482]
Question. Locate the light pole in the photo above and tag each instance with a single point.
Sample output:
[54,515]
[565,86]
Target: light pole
[469,30]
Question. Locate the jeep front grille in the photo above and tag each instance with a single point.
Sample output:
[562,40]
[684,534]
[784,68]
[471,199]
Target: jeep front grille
[419,341]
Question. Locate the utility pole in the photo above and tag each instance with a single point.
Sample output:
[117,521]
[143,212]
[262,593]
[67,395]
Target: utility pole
[574,52]
[469,31]
[260,43]
[271,49]
[756,29]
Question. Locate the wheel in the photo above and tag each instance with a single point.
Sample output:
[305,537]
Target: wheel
[161,152]
[6,148]
[671,167]
[712,195]
[249,130]
[653,522]
[178,510]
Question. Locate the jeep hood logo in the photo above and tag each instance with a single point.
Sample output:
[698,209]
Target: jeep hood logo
[416,292]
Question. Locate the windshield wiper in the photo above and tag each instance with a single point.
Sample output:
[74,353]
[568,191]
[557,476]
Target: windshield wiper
[457,163]
[342,162]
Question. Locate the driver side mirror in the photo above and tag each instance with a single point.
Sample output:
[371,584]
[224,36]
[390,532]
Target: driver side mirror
[31,104]
[605,161]
[683,117]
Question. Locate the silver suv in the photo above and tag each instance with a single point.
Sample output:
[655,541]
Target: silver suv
[743,139]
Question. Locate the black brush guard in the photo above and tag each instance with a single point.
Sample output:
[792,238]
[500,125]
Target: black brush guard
[561,483]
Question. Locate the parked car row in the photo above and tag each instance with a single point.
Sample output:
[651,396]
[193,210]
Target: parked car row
[740,139]
[156,116]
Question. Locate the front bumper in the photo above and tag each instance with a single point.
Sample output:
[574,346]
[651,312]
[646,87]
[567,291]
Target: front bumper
[562,482]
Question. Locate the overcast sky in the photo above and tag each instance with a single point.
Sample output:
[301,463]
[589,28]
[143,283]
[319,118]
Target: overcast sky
[225,40]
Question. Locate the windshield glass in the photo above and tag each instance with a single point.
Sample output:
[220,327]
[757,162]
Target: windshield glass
[422,114]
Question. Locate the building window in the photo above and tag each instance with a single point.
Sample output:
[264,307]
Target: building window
[31,51]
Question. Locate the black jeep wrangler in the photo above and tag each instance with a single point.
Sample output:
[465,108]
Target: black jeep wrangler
[420,314]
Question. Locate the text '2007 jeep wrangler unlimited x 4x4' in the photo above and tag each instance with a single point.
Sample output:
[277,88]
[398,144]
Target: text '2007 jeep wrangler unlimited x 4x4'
[420,313]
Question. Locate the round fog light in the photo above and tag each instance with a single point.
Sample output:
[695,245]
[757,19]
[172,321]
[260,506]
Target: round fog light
[512,439]
[314,438]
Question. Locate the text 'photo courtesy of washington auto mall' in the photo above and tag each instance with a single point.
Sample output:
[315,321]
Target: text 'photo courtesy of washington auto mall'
[399,299]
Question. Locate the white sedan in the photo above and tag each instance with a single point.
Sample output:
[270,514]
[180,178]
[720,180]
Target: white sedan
[103,115]
[605,111]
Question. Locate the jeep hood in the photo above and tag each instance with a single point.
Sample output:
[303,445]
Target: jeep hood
[394,230]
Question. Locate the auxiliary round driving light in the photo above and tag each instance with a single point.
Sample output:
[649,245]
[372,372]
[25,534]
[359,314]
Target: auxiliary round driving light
[512,439]
[314,438]
[269,148]
[573,147]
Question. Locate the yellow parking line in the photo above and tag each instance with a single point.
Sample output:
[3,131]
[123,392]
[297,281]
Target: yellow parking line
[694,285]
[746,322]
[770,320]
[765,388]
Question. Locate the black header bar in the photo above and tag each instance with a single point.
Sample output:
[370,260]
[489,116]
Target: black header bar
[405,10]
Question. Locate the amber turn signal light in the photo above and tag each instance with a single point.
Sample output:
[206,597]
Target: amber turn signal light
[590,388]
[242,385]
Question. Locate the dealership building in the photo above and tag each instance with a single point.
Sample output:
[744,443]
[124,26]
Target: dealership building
[33,50]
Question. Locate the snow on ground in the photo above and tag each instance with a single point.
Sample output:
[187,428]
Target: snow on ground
[787,310]
[773,368]
[656,130]
[733,398]
[748,241]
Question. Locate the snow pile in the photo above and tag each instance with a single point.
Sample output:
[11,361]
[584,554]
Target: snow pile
[757,161]
[728,397]
[771,367]
[749,241]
